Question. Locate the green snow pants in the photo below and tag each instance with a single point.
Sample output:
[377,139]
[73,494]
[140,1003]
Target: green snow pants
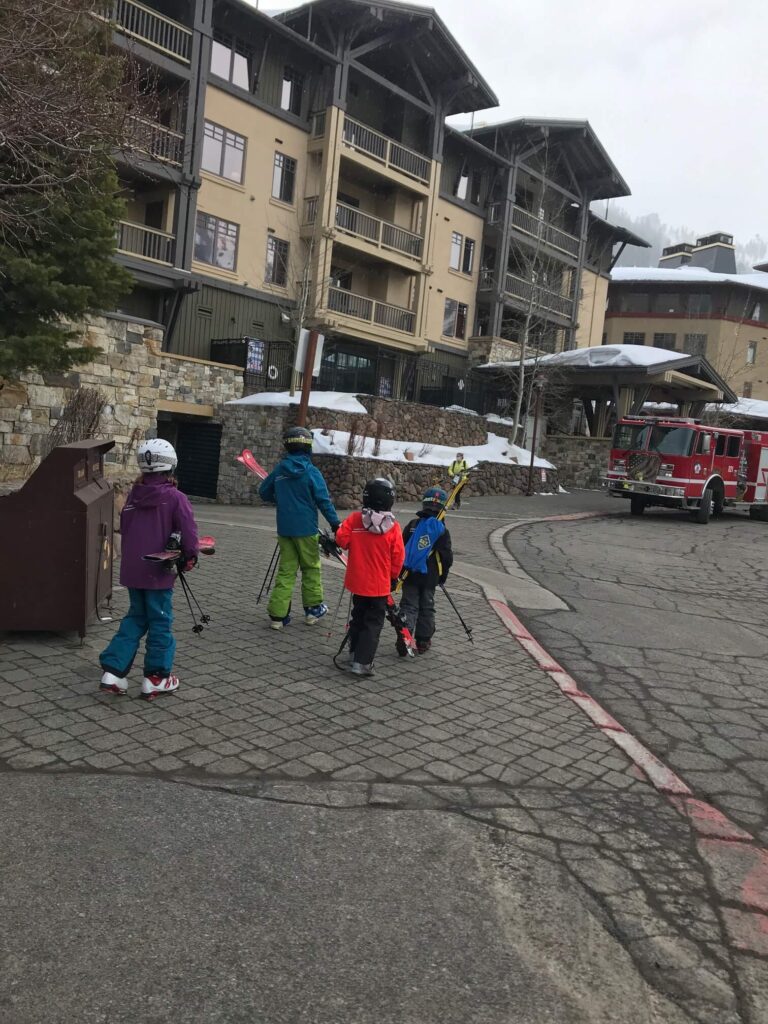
[296,553]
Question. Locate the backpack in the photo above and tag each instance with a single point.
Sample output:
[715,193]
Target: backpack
[421,543]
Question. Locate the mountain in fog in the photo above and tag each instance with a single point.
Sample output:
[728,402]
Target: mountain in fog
[651,227]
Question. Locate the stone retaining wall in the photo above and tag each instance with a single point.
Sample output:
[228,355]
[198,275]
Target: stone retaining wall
[132,373]
[580,461]
[402,419]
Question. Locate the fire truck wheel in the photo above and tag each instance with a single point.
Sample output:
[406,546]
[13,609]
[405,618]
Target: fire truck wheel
[704,511]
[637,505]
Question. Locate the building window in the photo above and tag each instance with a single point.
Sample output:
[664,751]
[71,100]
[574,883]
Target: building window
[664,340]
[468,263]
[751,353]
[634,338]
[455,319]
[695,344]
[699,304]
[462,184]
[746,389]
[231,61]
[216,241]
[223,152]
[476,192]
[284,178]
[277,262]
[456,240]
[292,91]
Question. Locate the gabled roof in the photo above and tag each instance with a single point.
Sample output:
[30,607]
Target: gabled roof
[587,155]
[445,54]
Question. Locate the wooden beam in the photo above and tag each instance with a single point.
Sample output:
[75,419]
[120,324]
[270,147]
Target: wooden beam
[391,87]
[420,78]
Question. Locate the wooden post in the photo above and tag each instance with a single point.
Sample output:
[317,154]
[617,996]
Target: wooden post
[306,383]
[537,388]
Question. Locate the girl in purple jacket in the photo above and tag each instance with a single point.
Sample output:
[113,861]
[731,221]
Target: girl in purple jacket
[153,511]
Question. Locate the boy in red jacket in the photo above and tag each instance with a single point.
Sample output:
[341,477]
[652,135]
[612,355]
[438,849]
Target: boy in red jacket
[376,554]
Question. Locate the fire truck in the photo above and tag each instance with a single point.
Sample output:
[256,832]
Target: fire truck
[684,463]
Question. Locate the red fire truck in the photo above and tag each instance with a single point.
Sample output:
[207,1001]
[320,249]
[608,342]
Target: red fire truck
[684,463]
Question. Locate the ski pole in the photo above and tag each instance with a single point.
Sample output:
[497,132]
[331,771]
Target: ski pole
[269,574]
[451,602]
[204,619]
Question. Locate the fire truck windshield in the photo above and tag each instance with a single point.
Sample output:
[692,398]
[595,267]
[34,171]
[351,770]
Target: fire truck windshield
[665,440]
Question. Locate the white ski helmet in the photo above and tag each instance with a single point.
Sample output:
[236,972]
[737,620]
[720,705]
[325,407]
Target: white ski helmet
[156,456]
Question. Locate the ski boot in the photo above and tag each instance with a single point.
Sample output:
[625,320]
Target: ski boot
[422,646]
[110,683]
[156,685]
[358,669]
[315,613]
[279,623]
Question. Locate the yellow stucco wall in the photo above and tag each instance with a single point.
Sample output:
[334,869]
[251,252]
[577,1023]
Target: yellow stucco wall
[594,294]
[445,283]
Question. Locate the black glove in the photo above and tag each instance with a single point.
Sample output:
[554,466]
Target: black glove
[187,562]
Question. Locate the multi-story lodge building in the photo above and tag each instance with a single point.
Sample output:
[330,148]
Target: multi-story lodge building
[696,302]
[301,173]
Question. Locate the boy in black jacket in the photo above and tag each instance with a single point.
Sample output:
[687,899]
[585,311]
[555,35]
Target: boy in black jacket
[428,559]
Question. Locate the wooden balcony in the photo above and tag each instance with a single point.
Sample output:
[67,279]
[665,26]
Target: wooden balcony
[537,228]
[156,141]
[381,233]
[543,298]
[148,243]
[151,28]
[386,151]
[372,311]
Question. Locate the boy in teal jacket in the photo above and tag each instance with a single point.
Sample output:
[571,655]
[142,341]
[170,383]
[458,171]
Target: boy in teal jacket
[299,490]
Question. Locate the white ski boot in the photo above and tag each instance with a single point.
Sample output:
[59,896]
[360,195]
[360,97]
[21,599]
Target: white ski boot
[358,669]
[156,685]
[113,684]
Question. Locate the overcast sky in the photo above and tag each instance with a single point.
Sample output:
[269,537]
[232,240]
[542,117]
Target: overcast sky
[675,89]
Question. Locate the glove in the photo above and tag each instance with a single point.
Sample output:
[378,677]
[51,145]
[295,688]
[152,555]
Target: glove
[443,579]
[187,564]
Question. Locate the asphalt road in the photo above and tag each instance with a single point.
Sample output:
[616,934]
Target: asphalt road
[666,626]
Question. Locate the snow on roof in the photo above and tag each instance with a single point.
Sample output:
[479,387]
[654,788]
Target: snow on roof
[753,408]
[338,400]
[687,275]
[611,355]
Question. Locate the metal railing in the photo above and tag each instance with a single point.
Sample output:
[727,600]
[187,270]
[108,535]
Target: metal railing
[149,243]
[538,227]
[310,209]
[150,27]
[387,151]
[381,232]
[543,298]
[156,140]
[360,307]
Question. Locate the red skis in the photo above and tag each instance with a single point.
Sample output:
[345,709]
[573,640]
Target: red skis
[250,463]
[207,547]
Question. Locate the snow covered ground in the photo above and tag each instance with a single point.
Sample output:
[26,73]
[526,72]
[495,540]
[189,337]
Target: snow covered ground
[338,400]
[497,449]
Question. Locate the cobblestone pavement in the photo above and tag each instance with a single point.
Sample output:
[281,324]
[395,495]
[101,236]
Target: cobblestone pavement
[668,630]
[471,729]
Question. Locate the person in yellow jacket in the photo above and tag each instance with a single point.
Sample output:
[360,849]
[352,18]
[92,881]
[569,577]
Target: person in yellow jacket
[457,469]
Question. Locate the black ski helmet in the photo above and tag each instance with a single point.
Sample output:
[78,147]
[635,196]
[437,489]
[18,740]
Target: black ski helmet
[379,494]
[434,497]
[298,439]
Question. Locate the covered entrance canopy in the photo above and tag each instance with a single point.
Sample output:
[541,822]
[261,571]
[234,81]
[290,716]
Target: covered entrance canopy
[613,381]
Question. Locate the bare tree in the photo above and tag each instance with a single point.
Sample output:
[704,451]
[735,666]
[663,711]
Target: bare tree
[65,102]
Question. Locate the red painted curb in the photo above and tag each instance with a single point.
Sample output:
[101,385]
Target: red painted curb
[740,866]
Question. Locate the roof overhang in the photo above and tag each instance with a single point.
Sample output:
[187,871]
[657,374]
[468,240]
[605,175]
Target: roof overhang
[619,233]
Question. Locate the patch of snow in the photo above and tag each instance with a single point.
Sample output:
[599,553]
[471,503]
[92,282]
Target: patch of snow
[611,355]
[755,408]
[504,422]
[562,490]
[691,275]
[497,449]
[460,408]
[338,400]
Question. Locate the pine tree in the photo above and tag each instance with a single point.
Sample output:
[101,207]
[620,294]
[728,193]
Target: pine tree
[50,282]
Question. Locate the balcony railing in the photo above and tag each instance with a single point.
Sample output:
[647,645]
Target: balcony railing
[543,298]
[156,140]
[371,310]
[388,152]
[150,27]
[380,232]
[149,243]
[538,227]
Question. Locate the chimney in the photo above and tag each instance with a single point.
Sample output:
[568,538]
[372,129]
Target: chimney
[676,255]
[716,253]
